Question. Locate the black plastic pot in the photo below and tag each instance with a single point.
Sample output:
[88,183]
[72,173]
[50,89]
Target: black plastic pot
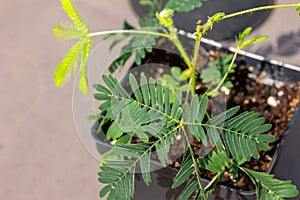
[226,29]
[162,179]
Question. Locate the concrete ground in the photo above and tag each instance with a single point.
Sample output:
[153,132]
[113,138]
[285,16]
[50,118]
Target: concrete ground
[41,156]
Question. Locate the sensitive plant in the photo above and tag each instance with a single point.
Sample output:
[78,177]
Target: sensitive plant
[162,108]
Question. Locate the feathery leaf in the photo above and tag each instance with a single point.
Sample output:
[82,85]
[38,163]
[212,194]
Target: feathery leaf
[83,80]
[67,31]
[73,14]
[68,65]
[277,189]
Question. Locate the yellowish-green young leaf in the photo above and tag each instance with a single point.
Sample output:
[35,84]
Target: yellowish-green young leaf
[212,21]
[253,41]
[68,65]
[67,31]
[165,17]
[244,34]
[241,37]
[83,81]
[298,10]
[73,14]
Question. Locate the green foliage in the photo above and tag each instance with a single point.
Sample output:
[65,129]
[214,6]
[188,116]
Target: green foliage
[211,74]
[194,115]
[183,5]
[150,112]
[241,37]
[67,31]
[189,189]
[119,62]
[270,187]
[176,81]
[73,14]
[150,105]
[242,134]
[154,5]
[216,162]
[114,131]
[143,44]
[118,175]
[216,70]
[189,174]
[156,109]
[67,67]
[186,169]
[139,45]
[83,82]
[165,17]
[212,21]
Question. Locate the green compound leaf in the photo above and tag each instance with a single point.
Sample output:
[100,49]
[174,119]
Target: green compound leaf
[67,31]
[189,189]
[139,45]
[186,170]
[119,179]
[189,174]
[114,131]
[175,81]
[216,70]
[244,34]
[148,112]
[216,162]
[271,188]
[119,175]
[183,5]
[253,41]
[241,37]
[211,74]
[73,14]
[241,142]
[119,62]
[194,115]
[83,80]
[68,65]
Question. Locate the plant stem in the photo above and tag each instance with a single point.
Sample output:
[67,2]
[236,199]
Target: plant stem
[129,32]
[260,8]
[173,37]
[201,188]
[227,72]
[214,180]
[195,58]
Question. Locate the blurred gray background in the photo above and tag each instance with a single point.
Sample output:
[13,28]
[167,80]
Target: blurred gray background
[41,156]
